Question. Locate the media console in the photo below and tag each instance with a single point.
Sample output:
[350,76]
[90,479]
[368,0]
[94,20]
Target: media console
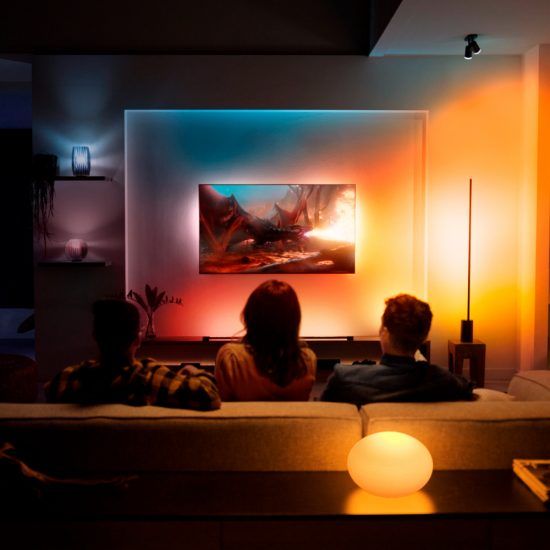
[203,350]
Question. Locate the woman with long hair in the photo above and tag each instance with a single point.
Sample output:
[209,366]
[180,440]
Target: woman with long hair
[270,364]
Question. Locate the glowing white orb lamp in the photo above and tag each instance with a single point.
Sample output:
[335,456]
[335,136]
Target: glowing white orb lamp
[390,464]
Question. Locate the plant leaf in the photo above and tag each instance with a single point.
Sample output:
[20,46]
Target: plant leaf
[136,297]
[151,295]
[160,297]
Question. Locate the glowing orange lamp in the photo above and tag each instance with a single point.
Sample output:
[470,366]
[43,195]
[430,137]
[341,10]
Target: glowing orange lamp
[390,464]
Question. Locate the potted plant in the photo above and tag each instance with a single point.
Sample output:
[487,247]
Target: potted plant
[150,302]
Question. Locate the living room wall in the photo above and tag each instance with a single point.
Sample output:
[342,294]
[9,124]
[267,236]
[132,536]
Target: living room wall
[169,154]
[475,120]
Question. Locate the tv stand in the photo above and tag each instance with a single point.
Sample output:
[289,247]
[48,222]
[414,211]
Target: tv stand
[203,349]
[306,338]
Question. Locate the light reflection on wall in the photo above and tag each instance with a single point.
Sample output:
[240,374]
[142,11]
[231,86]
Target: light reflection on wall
[77,216]
[169,153]
[475,132]
[101,147]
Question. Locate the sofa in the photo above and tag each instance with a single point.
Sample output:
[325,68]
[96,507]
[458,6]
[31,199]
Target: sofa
[313,436]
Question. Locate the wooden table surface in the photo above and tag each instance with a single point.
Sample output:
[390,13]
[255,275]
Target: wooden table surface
[288,495]
[473,510]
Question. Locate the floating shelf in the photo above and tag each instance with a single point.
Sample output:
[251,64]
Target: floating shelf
[83,178]
[89,263]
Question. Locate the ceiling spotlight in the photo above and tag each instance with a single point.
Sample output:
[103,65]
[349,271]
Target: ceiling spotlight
[472,47]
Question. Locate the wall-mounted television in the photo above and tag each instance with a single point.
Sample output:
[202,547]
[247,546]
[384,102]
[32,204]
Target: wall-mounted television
[276,229]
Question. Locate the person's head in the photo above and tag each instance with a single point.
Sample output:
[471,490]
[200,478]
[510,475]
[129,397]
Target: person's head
[405,324]
[272,318]
[116,327]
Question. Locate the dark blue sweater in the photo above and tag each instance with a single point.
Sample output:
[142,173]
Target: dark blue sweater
[395,378]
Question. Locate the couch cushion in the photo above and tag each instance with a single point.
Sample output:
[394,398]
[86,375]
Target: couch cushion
[468,435]
[531,385]
[238,437]
[485,394]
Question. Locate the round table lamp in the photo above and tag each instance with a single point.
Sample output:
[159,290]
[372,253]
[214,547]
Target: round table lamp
[390,464]
[81,160]
[76,250]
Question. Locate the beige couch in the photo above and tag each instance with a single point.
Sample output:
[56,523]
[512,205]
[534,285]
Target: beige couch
[311,436]
[238,437]
[463,435]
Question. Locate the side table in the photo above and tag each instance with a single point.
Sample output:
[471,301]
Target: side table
[475,352]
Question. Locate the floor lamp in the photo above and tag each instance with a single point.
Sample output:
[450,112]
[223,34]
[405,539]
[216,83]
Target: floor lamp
[467,325]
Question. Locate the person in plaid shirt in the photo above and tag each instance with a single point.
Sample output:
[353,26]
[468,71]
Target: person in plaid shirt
[118,377]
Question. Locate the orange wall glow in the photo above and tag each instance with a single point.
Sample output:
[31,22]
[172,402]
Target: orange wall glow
[475,134]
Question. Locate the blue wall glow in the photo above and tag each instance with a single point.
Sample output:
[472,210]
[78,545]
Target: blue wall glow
[207,139]
[16,107]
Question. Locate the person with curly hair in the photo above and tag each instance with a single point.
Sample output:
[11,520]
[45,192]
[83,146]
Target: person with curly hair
[398,376]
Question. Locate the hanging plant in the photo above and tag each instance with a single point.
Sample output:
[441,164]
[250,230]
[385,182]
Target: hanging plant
[150,303]
[44,171]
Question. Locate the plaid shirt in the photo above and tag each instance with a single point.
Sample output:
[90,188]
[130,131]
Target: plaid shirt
[144,382]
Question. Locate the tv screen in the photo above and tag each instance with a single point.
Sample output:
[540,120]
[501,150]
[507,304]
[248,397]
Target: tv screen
[277,229]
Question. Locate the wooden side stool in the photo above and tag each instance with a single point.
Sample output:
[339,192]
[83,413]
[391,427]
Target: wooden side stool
[475,352]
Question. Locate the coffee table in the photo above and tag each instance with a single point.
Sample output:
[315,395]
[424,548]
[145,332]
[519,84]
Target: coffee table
[456,509]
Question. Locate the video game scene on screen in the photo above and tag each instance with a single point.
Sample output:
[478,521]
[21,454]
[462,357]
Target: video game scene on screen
[277,228]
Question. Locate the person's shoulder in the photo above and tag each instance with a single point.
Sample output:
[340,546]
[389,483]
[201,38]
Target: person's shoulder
[83,366]
[346,371]
[233,347]
[453,386]
[147,362]
[309,360]
[236,349]
[69,379]
[436,370]
[234,355]
[308,353]
[146,367]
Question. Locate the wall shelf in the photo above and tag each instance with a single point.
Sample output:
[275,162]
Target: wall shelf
[83,178]
[68,263]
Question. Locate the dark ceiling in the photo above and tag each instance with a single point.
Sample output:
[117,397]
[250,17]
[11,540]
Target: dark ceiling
[309,27]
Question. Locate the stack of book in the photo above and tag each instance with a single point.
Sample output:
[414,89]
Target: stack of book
[536,475]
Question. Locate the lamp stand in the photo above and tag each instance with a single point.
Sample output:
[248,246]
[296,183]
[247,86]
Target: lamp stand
[467,330]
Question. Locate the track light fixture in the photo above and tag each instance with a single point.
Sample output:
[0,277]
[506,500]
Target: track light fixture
[472,47]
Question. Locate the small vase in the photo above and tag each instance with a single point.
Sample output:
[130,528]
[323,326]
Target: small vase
[150,330]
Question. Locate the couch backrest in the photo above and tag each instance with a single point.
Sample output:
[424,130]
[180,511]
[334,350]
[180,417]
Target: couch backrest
[238,437]
[531,385]
[468,435]
[309,436]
